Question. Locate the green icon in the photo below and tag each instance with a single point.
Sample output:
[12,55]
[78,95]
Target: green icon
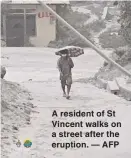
[27,143]
[18,144]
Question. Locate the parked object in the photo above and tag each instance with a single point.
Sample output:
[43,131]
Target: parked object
[112,87]
[3,72]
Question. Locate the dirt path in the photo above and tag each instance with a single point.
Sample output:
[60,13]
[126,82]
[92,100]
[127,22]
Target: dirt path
[46,91]
[84,97]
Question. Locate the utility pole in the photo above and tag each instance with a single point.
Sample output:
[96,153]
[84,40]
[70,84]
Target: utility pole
[85,39]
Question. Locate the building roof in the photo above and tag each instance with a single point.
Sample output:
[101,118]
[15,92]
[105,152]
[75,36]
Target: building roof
[36,2]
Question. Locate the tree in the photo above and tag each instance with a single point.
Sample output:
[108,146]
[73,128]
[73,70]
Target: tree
[125,20]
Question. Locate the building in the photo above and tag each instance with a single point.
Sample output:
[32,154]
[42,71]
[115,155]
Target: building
[26,21]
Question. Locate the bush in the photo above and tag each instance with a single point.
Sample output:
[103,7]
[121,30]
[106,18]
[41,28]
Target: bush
[120,51]
[127,56]
[111,41]
[125,20]
[97,26]
[121,55]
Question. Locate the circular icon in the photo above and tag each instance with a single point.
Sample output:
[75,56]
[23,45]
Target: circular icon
[27,143]
[18,143]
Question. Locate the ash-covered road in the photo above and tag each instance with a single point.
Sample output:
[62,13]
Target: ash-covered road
[39,66]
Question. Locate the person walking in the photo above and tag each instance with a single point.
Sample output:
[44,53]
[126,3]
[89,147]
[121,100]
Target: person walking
[65,64]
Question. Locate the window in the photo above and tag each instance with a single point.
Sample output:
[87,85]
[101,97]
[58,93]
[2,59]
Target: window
[18,25]
[31,25]
[16,11]
[30,10]
[30,22]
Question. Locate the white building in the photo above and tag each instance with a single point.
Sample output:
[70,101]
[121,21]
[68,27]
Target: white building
[27,19]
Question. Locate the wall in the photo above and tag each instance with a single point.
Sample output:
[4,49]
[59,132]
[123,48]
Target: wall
[46,32]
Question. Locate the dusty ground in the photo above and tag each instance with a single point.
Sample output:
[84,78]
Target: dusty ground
[15,105]
[36,70]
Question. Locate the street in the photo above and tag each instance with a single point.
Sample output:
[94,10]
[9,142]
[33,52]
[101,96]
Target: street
[35,69]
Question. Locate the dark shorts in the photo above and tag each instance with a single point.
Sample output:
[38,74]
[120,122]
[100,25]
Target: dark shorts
[66,80]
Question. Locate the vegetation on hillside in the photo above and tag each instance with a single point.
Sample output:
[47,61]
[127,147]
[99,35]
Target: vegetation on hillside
[65,36]
[125,20]
[122,55]
[125,30]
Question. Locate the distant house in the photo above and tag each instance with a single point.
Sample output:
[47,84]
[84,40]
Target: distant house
[26,20]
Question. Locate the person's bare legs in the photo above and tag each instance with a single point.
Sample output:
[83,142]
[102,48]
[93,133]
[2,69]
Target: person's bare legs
[63,88]
[68,91]
[69,82]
